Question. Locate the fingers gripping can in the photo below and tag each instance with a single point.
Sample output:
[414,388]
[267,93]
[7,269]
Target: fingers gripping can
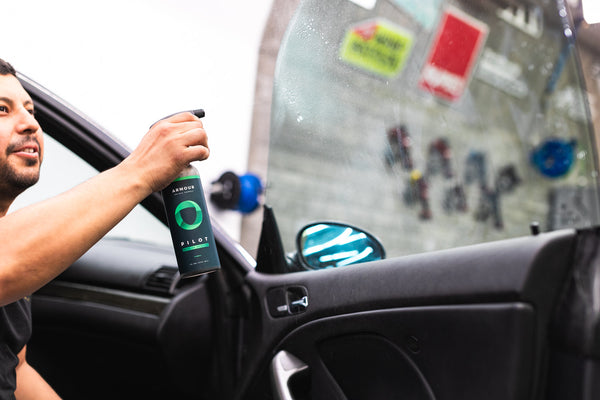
[189,223]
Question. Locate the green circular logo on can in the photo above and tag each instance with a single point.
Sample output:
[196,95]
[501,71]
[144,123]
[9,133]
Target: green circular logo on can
[179,218]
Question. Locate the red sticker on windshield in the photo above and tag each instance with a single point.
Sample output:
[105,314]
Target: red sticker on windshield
[455,49]
[367,32]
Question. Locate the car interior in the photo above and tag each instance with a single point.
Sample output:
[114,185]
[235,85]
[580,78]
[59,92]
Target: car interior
[512,315]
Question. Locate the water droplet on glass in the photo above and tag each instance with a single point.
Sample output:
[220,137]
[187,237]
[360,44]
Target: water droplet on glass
[568,32]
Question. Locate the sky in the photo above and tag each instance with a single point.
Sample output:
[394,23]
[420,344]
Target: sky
[128,63]
[591,11]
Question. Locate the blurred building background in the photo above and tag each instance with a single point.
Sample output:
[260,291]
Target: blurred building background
[113,60]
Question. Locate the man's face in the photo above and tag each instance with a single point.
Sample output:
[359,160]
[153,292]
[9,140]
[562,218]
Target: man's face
[21,140]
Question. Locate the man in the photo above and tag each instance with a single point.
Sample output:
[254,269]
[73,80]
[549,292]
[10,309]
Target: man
[31,251]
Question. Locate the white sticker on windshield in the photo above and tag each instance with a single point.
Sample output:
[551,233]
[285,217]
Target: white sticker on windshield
[425,12]
[497,70]
[368,4]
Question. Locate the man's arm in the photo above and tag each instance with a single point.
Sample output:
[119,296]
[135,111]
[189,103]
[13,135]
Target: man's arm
[30,385]
[40,241]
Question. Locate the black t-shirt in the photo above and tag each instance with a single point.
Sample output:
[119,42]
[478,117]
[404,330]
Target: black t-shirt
[15,331]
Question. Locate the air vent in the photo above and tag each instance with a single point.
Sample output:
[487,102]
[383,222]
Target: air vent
[162,279]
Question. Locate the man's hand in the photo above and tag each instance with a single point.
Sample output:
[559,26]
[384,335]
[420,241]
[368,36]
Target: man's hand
[168,147]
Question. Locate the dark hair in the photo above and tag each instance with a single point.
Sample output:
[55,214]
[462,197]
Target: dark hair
[6,68]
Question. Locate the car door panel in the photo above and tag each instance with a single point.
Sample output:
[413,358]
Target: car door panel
[446,352]
[477,314]
[116,325]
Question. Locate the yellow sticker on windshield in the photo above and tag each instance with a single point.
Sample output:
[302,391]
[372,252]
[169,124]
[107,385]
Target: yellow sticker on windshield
[377,46]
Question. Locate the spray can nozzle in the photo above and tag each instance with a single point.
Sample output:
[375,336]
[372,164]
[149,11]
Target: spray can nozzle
[198,113]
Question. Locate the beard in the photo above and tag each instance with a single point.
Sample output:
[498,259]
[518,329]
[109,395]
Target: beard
[12,181]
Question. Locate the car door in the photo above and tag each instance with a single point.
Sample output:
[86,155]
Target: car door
[372,124]
[466,323]
[512,318]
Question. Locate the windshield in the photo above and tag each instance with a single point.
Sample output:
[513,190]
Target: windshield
[431,124]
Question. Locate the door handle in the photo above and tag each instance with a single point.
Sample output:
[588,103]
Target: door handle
[283,366]
[299,305]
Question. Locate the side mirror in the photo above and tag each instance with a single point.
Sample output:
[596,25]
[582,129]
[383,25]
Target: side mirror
[329,245]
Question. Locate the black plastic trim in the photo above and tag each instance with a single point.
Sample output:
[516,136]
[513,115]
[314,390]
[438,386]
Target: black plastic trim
[529,270]
[117,298]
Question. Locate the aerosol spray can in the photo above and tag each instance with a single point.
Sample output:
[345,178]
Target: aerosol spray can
[189,223]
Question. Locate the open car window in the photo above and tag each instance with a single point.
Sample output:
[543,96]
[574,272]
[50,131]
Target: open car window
[62,170]
[431,124]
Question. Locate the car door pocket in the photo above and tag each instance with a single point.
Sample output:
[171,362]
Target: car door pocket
[370,367]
